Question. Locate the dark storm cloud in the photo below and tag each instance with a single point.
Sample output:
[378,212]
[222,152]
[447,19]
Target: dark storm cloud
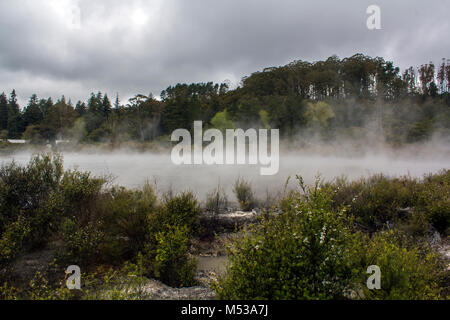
[73,47]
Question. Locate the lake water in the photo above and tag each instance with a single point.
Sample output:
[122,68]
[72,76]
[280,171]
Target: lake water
[132,169]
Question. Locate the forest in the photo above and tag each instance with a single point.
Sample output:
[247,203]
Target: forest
[335,98]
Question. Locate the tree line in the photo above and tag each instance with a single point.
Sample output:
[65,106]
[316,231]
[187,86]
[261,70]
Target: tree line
[336,97]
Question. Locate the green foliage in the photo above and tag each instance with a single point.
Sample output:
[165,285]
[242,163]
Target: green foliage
[12,240]
[179,210]
[31,193]
[333,97]
[82,243]
[3,135]
[173,265]
[433,200]
[41,202]
[406,273]
[3,114]
[265,119]
[304,253]
[102,284]
[221,121]
[319,114]
[80,192]
[243,192]
[377,200]
[315,249]
[312,251]
[170,229]
[125,215]
[8,292]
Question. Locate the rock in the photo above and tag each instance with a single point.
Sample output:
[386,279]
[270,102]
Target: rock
[435,238]
[160,291]
[227,221]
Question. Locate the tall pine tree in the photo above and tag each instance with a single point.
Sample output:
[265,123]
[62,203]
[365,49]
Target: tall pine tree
[80,108]
[33,114]
[15,122]
[106,106]
[3,112]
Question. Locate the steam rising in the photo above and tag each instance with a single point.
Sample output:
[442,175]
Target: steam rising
[132,169]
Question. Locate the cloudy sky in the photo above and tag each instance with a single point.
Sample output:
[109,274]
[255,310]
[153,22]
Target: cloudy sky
[74,47]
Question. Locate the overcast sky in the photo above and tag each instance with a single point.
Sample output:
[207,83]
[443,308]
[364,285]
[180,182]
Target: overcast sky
[74,47]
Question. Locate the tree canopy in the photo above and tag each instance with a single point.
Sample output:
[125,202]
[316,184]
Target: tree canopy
[330,97]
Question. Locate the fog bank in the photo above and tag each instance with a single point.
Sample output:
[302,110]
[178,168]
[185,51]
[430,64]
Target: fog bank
[133,169]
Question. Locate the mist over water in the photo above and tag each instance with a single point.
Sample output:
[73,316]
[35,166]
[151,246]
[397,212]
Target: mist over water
[132,169]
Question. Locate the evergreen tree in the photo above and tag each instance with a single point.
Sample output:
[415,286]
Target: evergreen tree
[106,106]
[33,114]
[3,112]
[45,105]
[80,108]
[15,120]
[94,114]
[95,104]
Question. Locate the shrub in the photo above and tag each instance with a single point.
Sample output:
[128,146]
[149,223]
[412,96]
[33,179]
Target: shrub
[311,251]
[32,193]
[243,191]
[24,189]
[434,200]
[40,201]
[375,200]
[304,253]
[177,210]
[173,265]
[125,215]
[12,239]
[8,292]
[39,195]
[81,243]
[406,272]
[126,283]
[216,201]
[80,192]
[170,228]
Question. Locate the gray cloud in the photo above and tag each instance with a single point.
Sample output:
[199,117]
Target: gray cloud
[73,47]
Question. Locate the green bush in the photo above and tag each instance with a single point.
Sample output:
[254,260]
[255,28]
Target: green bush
[312,251]
[180,210]
[125,215]
[30,196]
[434,200]
[24,189]
[82,243]
[80,193]
[41,202]
[376,200]
[12,239]
[39,195]
[304,253]
[171,227]
[173,265]
[243,191]
[407,273]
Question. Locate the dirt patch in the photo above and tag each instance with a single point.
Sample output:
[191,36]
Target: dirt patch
[28,264]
